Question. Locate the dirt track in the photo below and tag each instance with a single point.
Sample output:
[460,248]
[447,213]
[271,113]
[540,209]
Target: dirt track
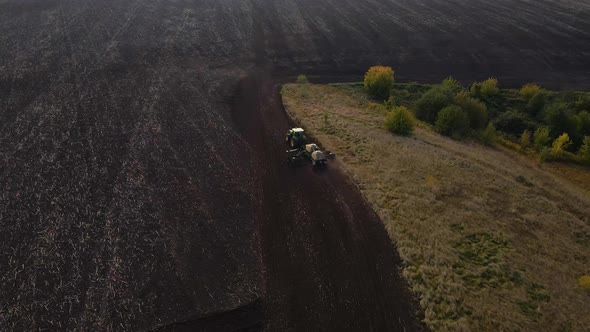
[139,189]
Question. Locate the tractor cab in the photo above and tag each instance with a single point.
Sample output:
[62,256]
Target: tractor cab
[295,137]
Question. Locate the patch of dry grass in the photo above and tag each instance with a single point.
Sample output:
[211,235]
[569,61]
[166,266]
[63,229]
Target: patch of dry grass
[490,239]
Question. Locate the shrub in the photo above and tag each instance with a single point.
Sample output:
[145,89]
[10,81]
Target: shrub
[529,90]
[584,153]
[490,87]
[561,144]
[508,143]
[512,122]
[541,137]
[452,121]
[302,79]
[400,121]
[525,138]
[451,83]
[489,135]
[390,103]
[559,120]
[432,101]
[486,88]
[583,103]
[400,95]
[475,109]
[379,81]
[537,103]
[583,123]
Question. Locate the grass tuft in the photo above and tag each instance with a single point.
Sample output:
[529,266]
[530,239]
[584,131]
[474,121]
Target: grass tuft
[537,295]
[481,261]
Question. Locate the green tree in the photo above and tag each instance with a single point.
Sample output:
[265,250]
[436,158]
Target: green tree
[558,118]
[512,122]
[583,123]
[486,88]
[583,103]
[432,101]
[379,81]
[475,109]
[400,121]
[561,144]
[541,138]
[452,121]
[536,104]
[451,83]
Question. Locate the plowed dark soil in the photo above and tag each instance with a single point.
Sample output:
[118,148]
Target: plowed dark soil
[141,174]
[329,262]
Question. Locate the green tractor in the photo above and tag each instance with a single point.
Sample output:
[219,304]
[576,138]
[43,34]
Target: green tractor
[295,137]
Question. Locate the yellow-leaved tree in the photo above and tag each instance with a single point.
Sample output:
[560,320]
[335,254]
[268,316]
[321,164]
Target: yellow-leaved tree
[379,81]
[561,144]
[529,90]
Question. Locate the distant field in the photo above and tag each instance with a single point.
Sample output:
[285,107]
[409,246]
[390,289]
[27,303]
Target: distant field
[490,239]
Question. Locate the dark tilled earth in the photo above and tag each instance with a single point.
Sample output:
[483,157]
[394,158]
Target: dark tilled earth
[141,156]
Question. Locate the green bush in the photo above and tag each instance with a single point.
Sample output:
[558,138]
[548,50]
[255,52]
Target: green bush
[432,101]
[302,79]
[512,122]
[525,139]
[584,152]
[451,83]
[529,90]
[452,121]
[475,109]
[400,121]
[558,118]
[489,135]
[560,145]
[407,94]
[391,102]
[583,103]
[583,123]
[536,104]
[486,88]
[401,95]
[541,138]
[379,81]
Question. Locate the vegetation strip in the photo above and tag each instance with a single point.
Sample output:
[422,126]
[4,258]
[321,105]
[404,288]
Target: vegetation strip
[490,239]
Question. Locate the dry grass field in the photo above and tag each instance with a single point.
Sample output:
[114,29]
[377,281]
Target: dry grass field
[491,240]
